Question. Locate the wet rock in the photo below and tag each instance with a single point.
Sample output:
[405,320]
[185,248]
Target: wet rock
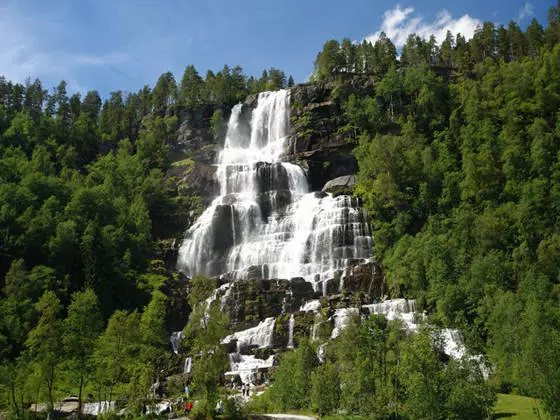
[274,201]
[251,101]
[250,301]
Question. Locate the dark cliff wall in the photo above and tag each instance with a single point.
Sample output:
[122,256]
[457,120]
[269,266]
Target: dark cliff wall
[318,142]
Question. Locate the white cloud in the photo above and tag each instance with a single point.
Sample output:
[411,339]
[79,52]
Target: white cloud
[399,23]
[527,11]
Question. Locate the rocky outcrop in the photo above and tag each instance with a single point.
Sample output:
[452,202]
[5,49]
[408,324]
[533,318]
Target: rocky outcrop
[249,301]
[194,136]
[194,178]
[341,185]
[193,153]
[319,141]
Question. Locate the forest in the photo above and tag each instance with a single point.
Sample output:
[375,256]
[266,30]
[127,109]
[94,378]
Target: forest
[458,153]
[458,147]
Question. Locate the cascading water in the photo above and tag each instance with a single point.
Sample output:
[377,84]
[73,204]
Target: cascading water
[266,223]
[175,339]
[291,332]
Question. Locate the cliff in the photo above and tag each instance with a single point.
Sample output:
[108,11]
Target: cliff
[268,316]
[318,141]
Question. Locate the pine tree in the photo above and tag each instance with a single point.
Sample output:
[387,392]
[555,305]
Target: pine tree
[290,81]
[446,50]
[535,38]
[191,90]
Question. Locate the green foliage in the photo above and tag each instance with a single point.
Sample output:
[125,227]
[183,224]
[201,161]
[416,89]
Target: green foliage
[325,389]
[43,344]
[457,146]
[206,328]
[201,288]
[115,353]
[218,125]
[291,387]
[460,177]
[375,369]
[81,329]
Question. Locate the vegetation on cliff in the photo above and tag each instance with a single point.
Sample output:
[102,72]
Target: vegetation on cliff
[85,209]
[375,369]
[458,150]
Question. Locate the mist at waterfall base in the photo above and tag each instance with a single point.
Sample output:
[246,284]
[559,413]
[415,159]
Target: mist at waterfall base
[266,222]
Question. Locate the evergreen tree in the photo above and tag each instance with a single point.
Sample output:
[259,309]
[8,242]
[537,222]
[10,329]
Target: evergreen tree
[385,54]
[191,88]
[329,61]
[534,38]
[164,94]
[446,50]
[290,81]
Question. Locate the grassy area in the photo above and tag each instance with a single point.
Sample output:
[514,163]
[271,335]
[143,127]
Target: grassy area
[516,407]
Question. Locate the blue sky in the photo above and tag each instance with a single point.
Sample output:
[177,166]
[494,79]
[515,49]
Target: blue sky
[124,44]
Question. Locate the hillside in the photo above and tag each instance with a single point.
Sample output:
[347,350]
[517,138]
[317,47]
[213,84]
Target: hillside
[380,241]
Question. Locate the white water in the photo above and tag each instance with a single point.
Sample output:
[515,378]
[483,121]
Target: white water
[342,318]
[175,339]
[311,305]
[453,343]
[96,408]
[187,368]
[223,292]
[291,332]
[401,309]
[246,365]
[265,222]
[405,311]
[260,336]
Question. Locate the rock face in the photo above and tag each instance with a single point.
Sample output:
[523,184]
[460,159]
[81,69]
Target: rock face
[194,136]
[340,185]
[194,151]
[269,316]
[318,142]
[247,302]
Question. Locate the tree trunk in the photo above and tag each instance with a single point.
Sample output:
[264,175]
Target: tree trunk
[80,396]
[14,400]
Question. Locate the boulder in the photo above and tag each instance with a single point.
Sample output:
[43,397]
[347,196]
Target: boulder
[341,185]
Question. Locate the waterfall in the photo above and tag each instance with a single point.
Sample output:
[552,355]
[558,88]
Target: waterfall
[266,222]
[187,367]
[291,332]
[401,309]
[175,339]
[261,335]
[342,318]
[246,365]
